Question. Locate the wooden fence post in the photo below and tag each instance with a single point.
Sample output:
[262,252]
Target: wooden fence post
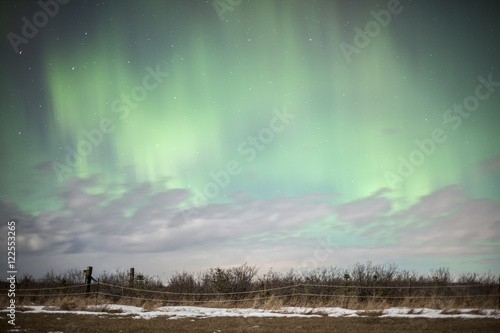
[131,278]
[97,292]
[88,278]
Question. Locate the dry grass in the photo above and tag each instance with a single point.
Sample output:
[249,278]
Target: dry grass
[151,305]
[451,312]
[275,303]
[479,312]
[69,303]
[371,313]
[74,303]
[23,308]
[414,312]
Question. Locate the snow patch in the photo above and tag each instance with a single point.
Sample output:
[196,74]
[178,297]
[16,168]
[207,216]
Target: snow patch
[179,312]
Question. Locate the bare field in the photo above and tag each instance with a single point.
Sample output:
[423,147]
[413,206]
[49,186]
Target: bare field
[75,323]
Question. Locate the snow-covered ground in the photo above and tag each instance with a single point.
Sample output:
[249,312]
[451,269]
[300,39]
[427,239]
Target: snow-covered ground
[176,312]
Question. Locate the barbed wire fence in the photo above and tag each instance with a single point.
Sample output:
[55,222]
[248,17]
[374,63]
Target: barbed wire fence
[241,286]
[296,294]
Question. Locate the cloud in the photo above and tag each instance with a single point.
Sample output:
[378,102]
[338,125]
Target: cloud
[491,164]
[364,211]
[144,220]
[435,204]
[10,211]
[77,199]
[467,222]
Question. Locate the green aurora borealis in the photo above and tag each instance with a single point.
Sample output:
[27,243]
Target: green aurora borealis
[221,82]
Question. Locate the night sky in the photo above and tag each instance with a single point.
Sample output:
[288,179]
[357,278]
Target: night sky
[181,135]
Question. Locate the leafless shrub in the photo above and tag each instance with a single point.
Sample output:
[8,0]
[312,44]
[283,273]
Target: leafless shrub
[362,286]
